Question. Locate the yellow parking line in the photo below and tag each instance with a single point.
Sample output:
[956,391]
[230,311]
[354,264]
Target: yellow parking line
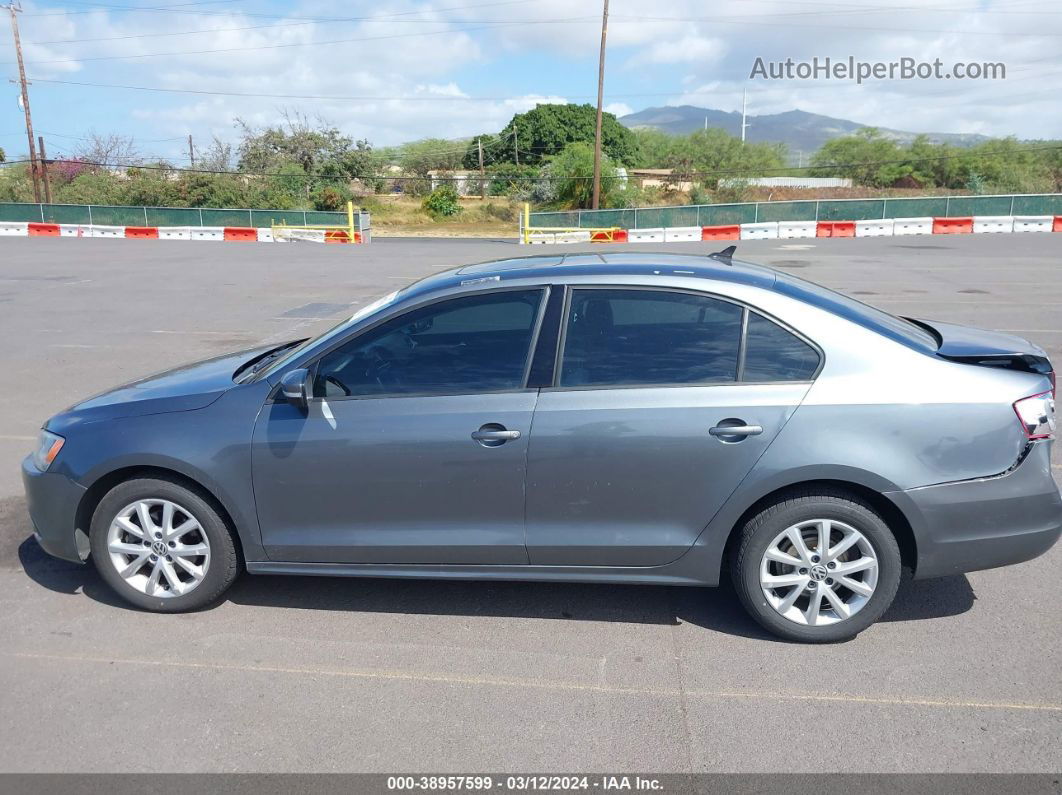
[452,679]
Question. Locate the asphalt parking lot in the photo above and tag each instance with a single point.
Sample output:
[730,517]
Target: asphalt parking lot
[298,674]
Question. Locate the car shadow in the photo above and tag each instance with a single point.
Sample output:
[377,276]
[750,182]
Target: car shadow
[715,609]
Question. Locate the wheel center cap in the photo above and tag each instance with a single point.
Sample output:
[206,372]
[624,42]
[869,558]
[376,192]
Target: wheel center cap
[159,548]
[818,573]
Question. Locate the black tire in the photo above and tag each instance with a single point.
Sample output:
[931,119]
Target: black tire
[764,527]
[224,563]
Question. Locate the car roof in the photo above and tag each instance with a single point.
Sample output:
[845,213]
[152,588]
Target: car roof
[553,266]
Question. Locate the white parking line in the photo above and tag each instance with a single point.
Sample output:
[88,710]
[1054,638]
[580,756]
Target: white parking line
[490,681]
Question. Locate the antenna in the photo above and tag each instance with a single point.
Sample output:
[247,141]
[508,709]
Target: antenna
[726,255]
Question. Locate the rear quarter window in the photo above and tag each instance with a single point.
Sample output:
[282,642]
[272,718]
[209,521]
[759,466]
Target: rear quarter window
[774,354]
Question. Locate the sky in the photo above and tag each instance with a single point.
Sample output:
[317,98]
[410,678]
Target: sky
[395,71]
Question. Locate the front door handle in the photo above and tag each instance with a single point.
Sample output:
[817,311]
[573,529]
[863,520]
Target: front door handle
[492,435]
[723,431]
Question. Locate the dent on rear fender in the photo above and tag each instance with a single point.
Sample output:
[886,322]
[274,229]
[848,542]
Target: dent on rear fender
[908,445]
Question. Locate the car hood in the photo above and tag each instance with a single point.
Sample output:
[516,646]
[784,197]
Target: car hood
[186,388]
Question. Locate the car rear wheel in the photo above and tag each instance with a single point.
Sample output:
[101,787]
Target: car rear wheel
[162,546]
[817,567]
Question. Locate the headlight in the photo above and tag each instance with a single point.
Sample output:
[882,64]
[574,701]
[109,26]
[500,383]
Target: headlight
[48,447]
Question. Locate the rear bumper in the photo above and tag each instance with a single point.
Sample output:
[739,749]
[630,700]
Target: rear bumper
[52,500]
[985,523]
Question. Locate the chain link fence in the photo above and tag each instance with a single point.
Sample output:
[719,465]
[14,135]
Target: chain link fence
[105,215]
[827,210]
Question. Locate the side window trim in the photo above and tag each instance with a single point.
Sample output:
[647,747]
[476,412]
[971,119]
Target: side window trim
[313,363]
[747,311]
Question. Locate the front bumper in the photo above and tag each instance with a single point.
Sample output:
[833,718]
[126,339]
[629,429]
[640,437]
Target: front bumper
[52,500]
[987,522]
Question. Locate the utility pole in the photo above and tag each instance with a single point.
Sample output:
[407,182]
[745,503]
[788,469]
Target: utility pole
[516,147]
[44,171]
[13,9]
[744,105]
[600,98]
[191,151]
[482,173]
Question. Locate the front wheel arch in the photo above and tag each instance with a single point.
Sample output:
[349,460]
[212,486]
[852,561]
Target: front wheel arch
[99,489]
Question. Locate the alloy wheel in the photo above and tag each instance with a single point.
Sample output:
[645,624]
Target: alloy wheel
[819,572]
[159,548]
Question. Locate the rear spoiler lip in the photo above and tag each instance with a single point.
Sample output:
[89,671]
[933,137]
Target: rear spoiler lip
[968,345]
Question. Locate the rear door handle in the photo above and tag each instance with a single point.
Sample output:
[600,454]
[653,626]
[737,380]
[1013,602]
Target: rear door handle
[492,435]
[736,430]
[495,436]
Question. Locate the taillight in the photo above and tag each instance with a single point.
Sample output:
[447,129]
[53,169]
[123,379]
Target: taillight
[1036,414]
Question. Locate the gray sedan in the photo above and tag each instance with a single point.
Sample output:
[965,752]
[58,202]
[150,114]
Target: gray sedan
[644,418]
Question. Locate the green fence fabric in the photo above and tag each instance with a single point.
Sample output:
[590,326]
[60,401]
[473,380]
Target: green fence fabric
[826,210]
[104,215]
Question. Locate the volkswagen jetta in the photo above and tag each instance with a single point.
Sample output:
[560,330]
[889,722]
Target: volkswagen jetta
[640,418]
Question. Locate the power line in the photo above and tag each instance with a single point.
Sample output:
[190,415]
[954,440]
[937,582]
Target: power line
[290,45]
[300,23]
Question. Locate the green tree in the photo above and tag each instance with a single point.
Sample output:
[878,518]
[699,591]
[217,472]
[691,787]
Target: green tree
[313,147]
[572,172]
[3,157]
[493,152]
[547,129]
[868,158]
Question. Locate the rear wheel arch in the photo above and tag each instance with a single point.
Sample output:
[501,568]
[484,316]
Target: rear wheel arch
[890,513]
[104,484]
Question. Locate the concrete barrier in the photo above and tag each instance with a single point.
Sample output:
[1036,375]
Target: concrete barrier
[534,238]
[876,228]
[983,224]
[796,229]
[645,235]
[912,226]
[107,231]
[765,231]
[73,230]
[1033,223]
[265,235]
[682,234]
[13,228]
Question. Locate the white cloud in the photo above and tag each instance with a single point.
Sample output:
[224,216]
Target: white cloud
[679,52]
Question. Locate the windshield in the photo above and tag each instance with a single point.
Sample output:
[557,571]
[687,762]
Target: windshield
[357,317]
[895,328]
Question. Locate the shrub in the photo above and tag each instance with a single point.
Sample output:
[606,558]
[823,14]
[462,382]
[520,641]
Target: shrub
[442,202]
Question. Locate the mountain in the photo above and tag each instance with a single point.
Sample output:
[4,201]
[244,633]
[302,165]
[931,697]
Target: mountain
[798,130]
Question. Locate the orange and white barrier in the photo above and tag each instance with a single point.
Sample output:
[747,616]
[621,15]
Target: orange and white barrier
[216,233]
[883,227]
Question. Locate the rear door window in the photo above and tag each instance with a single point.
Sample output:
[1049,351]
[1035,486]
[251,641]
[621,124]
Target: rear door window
[621,337]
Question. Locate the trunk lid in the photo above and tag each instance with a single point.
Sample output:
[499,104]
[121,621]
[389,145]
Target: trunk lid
[987,348]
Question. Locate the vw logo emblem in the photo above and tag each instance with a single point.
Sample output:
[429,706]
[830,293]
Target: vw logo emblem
[818,573]
[159,548]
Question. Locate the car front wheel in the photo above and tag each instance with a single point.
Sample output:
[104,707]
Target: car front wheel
[162,546]
[817,567]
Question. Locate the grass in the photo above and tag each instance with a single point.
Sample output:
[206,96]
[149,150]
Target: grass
[403,216]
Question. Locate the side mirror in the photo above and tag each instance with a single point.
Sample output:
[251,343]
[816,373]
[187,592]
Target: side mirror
[295,387]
